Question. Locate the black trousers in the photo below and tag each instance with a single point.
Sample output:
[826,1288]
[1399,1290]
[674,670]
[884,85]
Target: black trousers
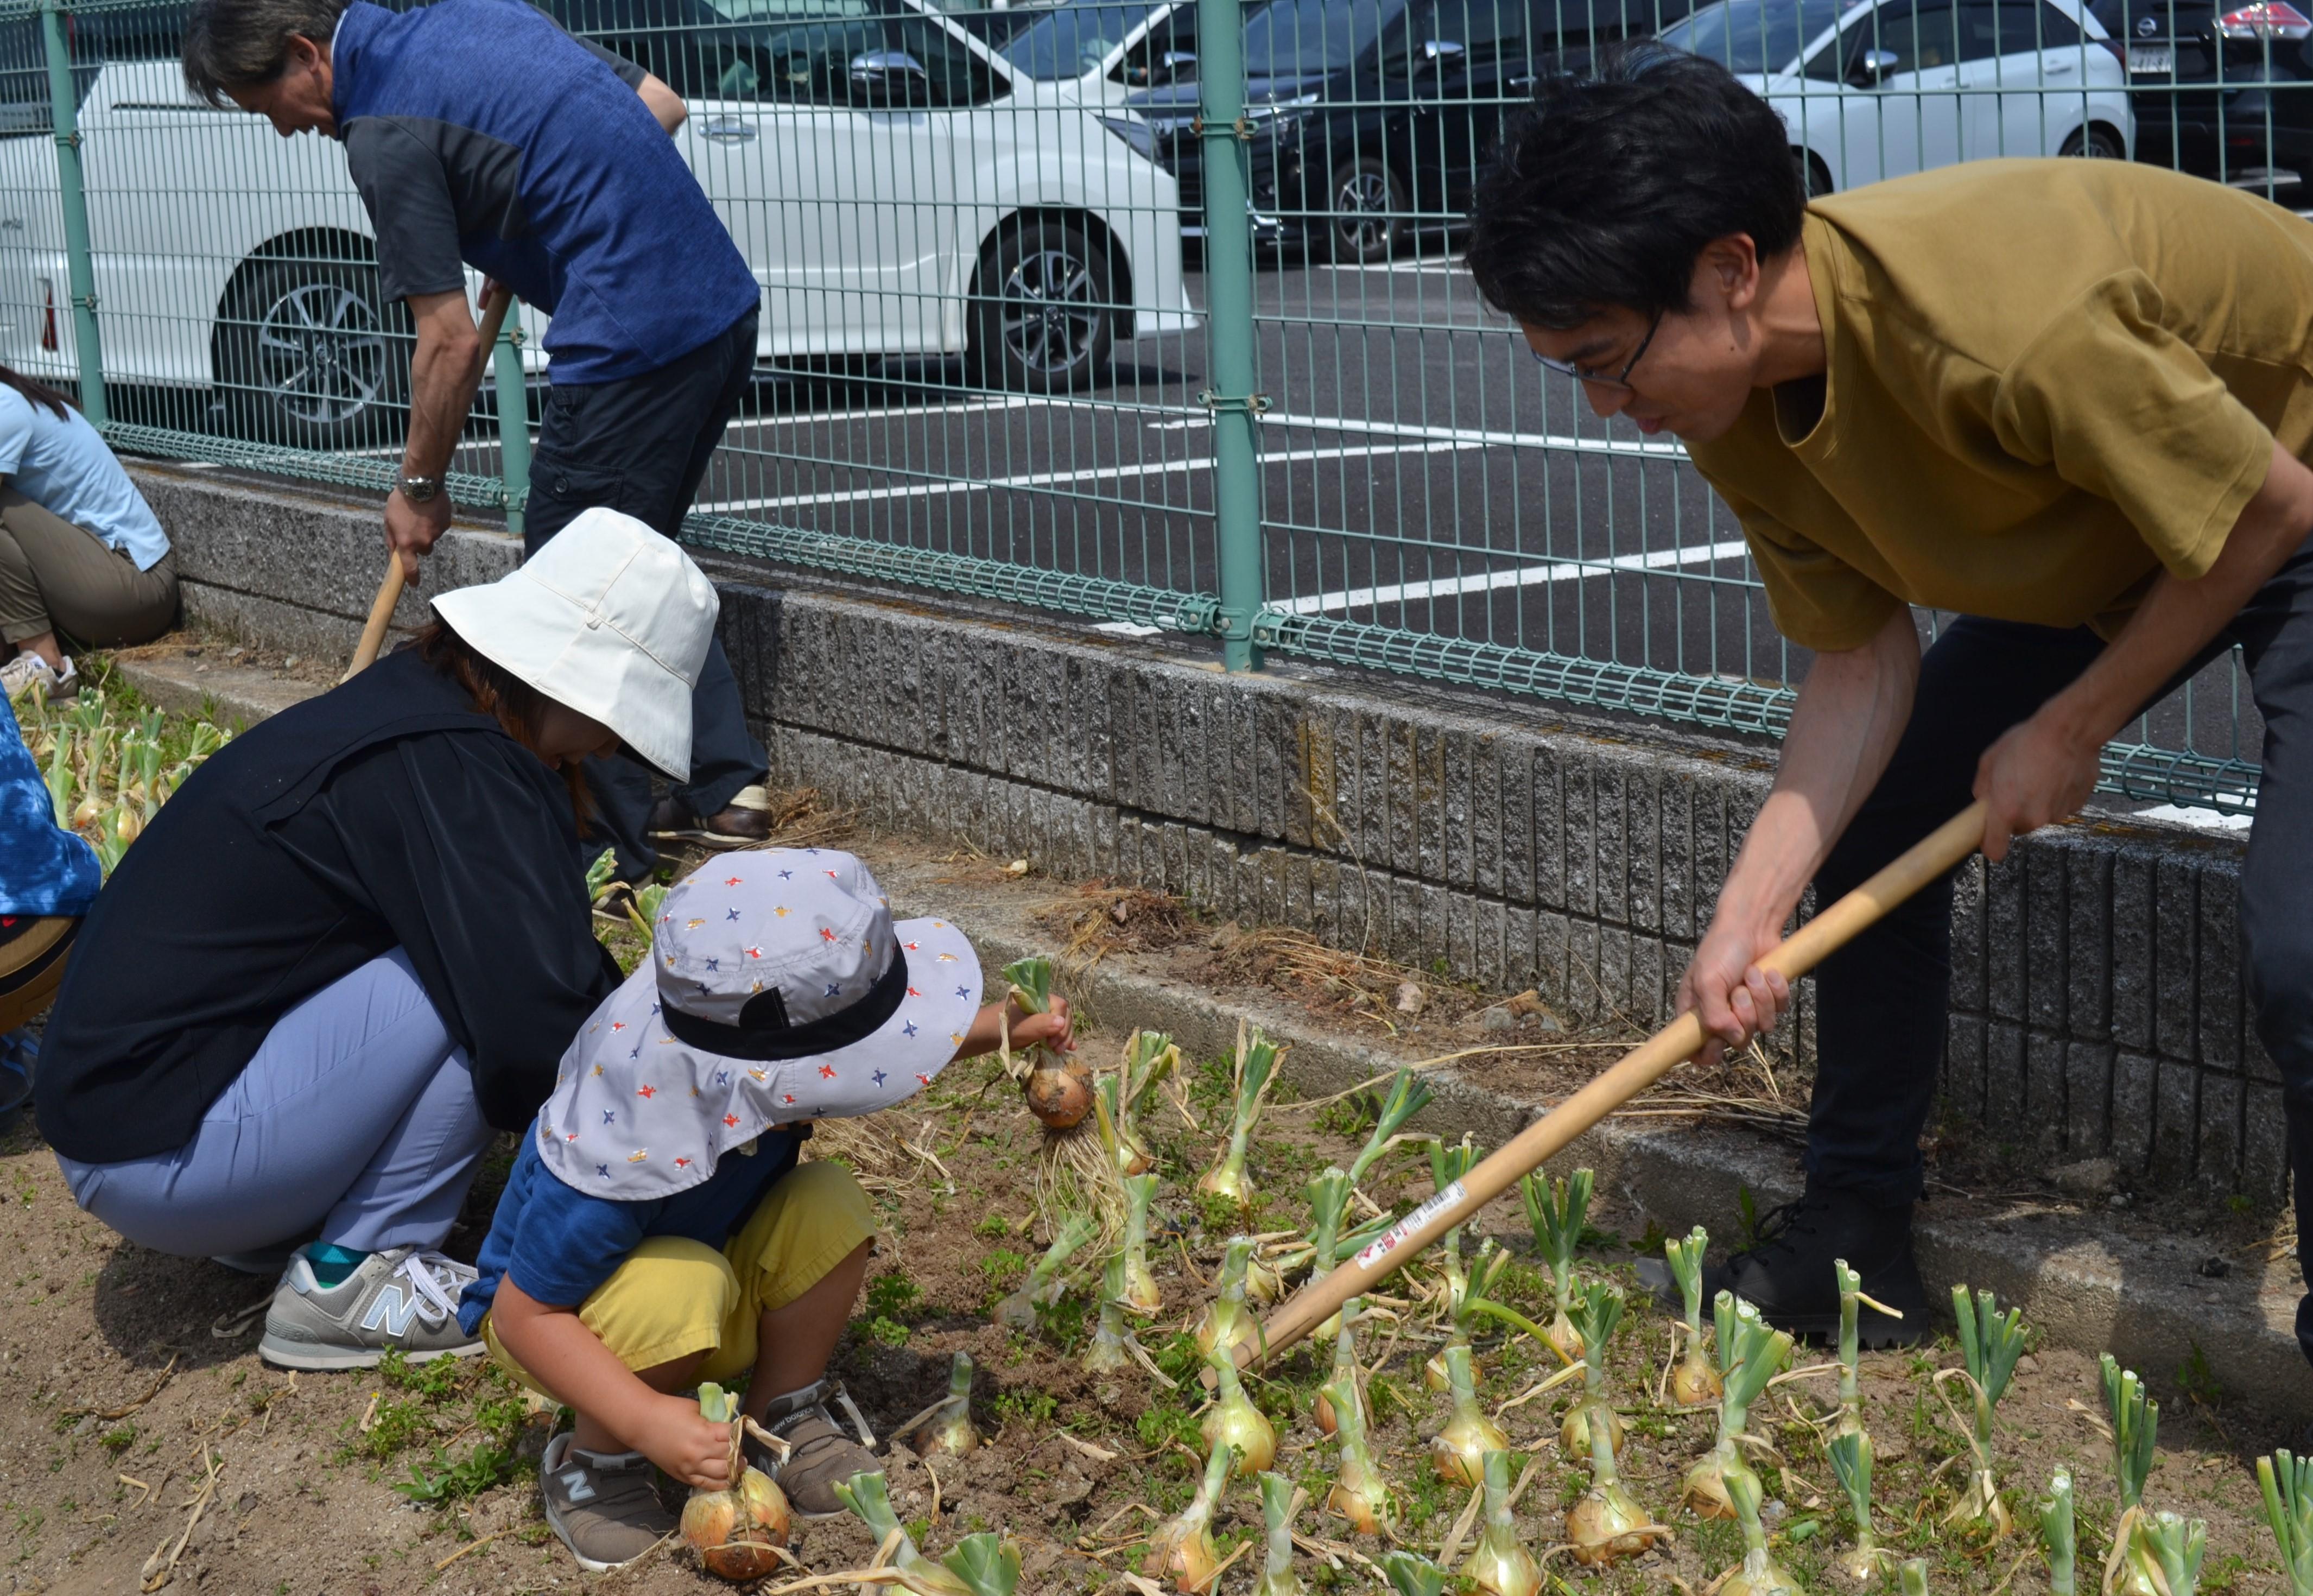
[1882,1000]
[640,446]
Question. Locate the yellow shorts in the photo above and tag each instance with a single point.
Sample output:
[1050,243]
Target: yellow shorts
[673,1296]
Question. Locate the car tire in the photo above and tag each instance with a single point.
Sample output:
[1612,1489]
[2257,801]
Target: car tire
[1813,173]
[2095,142]
[306,353]
[1366,206]
[1043,310]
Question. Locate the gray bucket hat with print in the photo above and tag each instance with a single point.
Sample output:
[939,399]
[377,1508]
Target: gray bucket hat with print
[779,990]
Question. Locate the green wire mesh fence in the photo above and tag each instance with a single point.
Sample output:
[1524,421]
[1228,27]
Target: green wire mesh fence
[1147,310]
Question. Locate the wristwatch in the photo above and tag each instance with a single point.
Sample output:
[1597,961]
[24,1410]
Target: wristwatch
[418,489]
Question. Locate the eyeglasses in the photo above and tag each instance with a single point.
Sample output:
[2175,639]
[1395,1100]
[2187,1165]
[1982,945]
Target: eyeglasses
[1583,373]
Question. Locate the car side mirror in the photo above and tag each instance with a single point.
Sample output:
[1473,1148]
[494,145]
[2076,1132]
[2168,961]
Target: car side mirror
[889,77]
[1175,67]
[1442,55]
[1873,68]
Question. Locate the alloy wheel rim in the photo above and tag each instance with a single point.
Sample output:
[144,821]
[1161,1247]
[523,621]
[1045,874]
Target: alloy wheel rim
[1364,204]
[1052,317]
[322,355]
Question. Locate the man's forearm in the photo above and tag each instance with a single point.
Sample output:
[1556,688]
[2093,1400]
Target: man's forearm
[2178,618]
[444,374]
[1851,709]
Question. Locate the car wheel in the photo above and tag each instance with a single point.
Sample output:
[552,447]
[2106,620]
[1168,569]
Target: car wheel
[2097,144]
[1043,310]
[1813,173]
[1369,207]
[307,354]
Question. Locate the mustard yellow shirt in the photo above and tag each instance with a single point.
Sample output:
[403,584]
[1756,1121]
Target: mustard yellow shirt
[2047,380]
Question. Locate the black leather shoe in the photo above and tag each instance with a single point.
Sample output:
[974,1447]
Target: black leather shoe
[1788,1273]
[739,827]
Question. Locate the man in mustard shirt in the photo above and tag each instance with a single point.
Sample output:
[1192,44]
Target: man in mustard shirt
[2067,399]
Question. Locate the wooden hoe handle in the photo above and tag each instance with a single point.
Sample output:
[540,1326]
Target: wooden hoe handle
[389,591]
[1926,862]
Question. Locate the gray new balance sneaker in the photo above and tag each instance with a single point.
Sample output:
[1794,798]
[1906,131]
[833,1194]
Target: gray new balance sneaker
[603,1506]
[819,1455]
[401,1299]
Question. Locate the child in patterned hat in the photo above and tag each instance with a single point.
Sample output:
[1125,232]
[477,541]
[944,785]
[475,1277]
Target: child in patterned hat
[657,1229]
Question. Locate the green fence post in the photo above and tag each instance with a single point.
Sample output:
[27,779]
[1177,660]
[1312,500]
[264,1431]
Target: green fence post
[1228,325]
[79,267]
[513,417]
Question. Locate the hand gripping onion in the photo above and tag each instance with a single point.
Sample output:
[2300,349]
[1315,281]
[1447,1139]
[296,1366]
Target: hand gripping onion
[1234,1424]
[1058,1088]
[1360,1492]
[1497,1563]
[735,1531]
[1182,1550]
[1694,1384]
[1606,1524]
[1459,1451]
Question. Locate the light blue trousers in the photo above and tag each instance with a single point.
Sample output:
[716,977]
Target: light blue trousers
[355,1118]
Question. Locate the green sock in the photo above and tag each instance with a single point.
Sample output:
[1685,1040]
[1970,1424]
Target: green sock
[332,1262]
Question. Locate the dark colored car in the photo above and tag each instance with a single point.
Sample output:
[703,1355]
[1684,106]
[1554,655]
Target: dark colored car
[1372,118]
[2221,89]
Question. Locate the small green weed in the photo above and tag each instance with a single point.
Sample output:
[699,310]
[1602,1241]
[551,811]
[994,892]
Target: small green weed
[1025,1407]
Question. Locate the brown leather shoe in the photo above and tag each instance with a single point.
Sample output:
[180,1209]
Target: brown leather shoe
[739,827]
[819,1455]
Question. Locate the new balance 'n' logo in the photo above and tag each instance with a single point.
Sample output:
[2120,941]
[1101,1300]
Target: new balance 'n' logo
[391,1310]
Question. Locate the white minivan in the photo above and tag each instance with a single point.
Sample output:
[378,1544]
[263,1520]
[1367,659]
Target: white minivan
[867,155]
[1873,89]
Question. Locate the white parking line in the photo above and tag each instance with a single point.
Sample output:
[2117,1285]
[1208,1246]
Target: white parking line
[961,408]
[1526,440]
[1057,478]
[1525,576]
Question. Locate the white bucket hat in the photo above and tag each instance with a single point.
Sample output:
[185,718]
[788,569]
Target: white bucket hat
[779,991]
[609,619]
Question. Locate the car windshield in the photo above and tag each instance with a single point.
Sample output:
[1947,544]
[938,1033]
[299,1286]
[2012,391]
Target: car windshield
[1075,38]
[1303,38]
[1752,35]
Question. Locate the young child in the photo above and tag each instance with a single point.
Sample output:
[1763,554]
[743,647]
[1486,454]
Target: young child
[657,1231]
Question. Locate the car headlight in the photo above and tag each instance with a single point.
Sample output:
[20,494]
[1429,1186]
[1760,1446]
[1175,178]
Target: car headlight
[1279,119]
[1138,136]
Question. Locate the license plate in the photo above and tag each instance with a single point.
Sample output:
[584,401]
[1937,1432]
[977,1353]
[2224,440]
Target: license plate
[2152,57]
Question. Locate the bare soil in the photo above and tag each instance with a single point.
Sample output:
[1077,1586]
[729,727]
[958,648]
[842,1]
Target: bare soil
[145,1428]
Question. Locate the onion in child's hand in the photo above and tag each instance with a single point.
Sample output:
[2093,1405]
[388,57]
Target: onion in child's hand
[736,1532]
[1059,1091]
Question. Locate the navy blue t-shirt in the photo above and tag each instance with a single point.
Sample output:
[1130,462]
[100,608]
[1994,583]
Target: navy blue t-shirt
[558,1244]
[478,132]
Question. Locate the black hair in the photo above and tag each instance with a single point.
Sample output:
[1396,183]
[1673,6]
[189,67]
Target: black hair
[40,393]
[1605,192]
[498,692]
[242,44]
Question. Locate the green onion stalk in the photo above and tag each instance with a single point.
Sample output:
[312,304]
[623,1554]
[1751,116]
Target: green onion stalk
[1280,1499]
[1459,1451]
[1345,1371]
[1256,1073]
[1360,1493]
[1694,1384]
[1606,1524]
[1042,1286]
[869,1498]
[2176,1547]
[1149,1057]
[1408,1096]
[1499,1565]
[1989,1343]
[1233,1423]
[1410,1574]
[1447,1165]
[1849,1450]
[1912,1577]
[1329,1203]
[1598,1312]
[60,777]
[1758,1574]
[1228,1321]
[1751,1352]
[1111,1338]
[1850,1349]
[2287,1484]
[2131,1569]
[1556,1211]
[948,1430]
[1182,1550]
[1467,1306]
[2060,1537]
[987,1563]
[1141,1293]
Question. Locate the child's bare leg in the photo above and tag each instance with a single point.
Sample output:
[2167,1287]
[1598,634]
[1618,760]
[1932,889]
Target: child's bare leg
[587,1434]
[793,1343]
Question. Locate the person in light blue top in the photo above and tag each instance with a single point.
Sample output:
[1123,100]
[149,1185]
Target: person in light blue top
[81,551]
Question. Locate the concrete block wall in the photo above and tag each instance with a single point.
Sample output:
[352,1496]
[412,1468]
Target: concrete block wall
[2097,999]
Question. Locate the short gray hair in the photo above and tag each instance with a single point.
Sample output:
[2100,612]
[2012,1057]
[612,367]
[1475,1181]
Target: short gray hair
[240,44]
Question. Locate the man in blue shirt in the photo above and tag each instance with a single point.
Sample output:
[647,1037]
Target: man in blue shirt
[482,134]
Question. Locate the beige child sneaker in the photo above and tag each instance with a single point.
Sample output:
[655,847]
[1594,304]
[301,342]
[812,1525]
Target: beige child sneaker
[604,1506]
